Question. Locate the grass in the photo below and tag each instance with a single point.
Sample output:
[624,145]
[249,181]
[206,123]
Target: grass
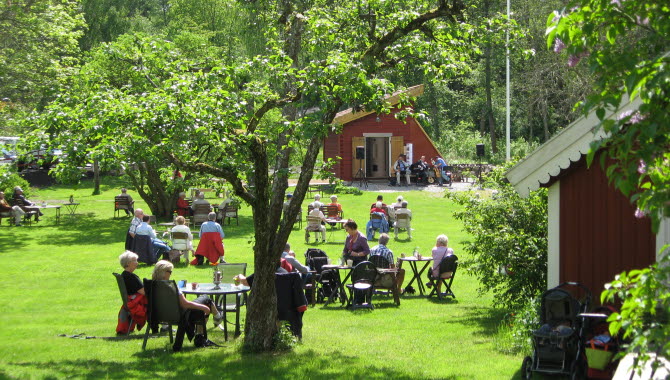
[56,279]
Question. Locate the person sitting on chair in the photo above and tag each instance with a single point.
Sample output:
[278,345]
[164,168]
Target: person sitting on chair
[15,211]
[404,210]
[200,200]
[182,205]
[312,226]
[137,302]
[18,199]
[379,207]
[131,202]
[195,320]
[289,196]
[356,246]
[386,279]
[160,247]
[136,221]
[380,198]
[289,256]
[419,169]
[211,242]
[222,207]
[317,202]
[182,227]
[401,167]
[440,251]
[336,211]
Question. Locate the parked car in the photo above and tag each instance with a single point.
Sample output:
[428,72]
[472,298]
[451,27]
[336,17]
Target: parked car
[39,159]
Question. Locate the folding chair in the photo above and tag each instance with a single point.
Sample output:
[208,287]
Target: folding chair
[362,285]
[314,225]
[448,267]
[402,221]
[163,306]
[228,271]
[381,262]
[179,243]
[124,298]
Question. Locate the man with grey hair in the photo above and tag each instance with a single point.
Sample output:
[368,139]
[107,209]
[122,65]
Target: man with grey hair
[404,210]
[386,279]
[211,242]
[200,200]
[130,236]
[317,202]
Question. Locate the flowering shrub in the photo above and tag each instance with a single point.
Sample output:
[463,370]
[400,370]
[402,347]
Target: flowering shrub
[508,249]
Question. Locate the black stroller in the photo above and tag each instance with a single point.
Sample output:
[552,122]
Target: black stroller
[558,346]
[326,279]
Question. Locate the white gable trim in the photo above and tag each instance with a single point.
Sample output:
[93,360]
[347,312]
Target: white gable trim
[560,152]
[553,236]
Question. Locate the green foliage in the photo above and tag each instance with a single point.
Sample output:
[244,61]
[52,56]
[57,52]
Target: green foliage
[626,45]
[284,340]
[515,332]
[508,248]
[9,179]
[645,312]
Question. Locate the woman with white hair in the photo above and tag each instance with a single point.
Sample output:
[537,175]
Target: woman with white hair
[195,320]
[440,251]
[137,303]
[335,209]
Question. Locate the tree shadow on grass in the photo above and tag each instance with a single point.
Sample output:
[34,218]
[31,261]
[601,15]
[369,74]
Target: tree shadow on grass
[162,363]
[486,319]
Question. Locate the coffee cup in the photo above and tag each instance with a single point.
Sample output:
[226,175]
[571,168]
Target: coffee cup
[350,263]
[182,283]
[194,285]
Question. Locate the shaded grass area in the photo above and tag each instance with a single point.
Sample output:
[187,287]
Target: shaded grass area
[57,280]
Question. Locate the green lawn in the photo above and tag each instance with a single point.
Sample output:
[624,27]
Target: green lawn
[57,280]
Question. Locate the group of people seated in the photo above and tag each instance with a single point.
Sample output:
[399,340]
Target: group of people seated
[193,323]
[187,209]
[420,170]
[19,208]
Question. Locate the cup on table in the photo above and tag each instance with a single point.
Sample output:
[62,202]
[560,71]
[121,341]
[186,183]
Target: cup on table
[194,285]
[236,279]
[329,261]
[350,263]
[182,283]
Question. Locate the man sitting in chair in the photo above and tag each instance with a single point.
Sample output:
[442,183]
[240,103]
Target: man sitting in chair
[160,247]
[317,201]
[316,225]
[131,202]
[403,210]
[200,200]
[386,279]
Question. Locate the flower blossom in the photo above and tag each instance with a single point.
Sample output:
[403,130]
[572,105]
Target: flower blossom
[641,167]
[639,214]
[559,46]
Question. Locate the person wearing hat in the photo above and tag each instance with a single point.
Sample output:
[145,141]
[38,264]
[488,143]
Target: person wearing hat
[20,200]
[289,196]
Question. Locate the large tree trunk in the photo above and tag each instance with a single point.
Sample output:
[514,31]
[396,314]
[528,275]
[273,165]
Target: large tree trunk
[147,182]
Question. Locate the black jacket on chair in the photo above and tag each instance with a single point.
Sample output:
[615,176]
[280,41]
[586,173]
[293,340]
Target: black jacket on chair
[291,300]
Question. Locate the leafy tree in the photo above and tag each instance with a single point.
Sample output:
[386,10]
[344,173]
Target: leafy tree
[38,47]
[508,250]
[243,120]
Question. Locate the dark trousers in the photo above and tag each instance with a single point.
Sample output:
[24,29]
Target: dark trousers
[189,321]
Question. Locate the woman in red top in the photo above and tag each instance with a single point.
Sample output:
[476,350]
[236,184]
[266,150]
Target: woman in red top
[182,205]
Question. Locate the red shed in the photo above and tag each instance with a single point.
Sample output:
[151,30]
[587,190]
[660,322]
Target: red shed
[593,233]
[379,138]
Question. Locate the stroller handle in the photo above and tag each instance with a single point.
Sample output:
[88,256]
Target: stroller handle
[577,284]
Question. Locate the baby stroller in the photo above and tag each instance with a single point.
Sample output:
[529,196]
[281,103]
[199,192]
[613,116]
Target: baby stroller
[558,346]
[326,279]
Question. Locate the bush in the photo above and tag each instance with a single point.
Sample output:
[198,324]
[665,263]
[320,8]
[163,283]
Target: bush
[516,330]
[9,179]
[508,250]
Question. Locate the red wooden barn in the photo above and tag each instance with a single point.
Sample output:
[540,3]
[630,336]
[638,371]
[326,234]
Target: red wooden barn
[593,233]
[379,138]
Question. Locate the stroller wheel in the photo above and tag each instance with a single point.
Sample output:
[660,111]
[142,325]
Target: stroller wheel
[527,368]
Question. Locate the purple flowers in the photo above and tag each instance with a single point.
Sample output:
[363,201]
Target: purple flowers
[559,45]
[639,214]
[641,167]
[573,60]
[634,117]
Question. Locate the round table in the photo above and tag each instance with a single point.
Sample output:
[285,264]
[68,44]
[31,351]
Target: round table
[219,297]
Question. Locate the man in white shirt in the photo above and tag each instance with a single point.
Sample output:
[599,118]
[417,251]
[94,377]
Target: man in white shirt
[316,225]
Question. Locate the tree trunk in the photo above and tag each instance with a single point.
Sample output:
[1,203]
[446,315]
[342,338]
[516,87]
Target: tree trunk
[545,122]
[96,177]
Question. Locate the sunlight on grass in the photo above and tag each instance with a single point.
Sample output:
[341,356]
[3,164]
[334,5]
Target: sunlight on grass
[66,287]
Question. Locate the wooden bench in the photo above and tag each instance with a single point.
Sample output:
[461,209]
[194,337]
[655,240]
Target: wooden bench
[121,203]
[230,211]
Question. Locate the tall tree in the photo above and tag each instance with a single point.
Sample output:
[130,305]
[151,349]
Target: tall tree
[243,120]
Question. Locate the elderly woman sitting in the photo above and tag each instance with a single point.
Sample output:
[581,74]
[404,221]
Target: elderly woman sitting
[194,320]
[137,303]
[183,208]
[182,244]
